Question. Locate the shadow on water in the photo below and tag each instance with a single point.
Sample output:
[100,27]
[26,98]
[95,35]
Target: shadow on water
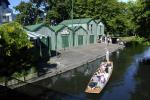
[129,80]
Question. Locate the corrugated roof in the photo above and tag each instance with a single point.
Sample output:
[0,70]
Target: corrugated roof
[34,27]
[34,35]
[57,28]
[76,21]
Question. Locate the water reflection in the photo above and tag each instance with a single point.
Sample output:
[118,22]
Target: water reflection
[71,85]
[147,54]
[142,91]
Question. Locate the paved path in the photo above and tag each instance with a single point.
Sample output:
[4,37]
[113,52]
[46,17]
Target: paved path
[74,57]
[81,55]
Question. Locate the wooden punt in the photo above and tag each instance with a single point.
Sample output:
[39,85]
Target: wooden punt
[106,75]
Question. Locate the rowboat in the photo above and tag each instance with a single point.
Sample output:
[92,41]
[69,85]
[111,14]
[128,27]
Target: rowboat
[100,78]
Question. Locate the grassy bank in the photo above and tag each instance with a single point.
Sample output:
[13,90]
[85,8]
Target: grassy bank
[135,40]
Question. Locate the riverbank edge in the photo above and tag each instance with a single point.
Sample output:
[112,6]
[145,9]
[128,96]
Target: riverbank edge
[61,70]
[135,40]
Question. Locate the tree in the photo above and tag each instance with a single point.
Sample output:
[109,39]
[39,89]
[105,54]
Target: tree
[143,19]
[28,13]
[52,16]
[118,17]
[15,45]
[37,10]
[13,38]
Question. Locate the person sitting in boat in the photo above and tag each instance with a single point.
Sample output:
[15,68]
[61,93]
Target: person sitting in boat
[108,67]
[101,79]
[101,76]
[93,82]
[103,67]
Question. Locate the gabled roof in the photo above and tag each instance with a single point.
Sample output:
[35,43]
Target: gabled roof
[57,28]
[35,27]
[98,21]
[76,21]
[75,28]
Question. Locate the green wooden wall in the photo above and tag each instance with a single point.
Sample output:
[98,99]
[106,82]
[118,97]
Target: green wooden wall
[47,32]
[100,29]
[64,40]
[80,37]
[92,31]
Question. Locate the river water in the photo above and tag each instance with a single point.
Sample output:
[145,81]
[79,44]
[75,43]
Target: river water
[124,84]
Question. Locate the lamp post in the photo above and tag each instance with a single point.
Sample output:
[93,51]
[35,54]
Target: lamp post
[40,49]
[49,46]
[72,14]
[56,44]
[72,22]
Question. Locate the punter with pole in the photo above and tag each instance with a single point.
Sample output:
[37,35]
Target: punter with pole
[107,55]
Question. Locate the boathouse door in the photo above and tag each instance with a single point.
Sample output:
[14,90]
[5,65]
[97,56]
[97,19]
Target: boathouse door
[91,38]
[65,41]
[80,39]
[46,46]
